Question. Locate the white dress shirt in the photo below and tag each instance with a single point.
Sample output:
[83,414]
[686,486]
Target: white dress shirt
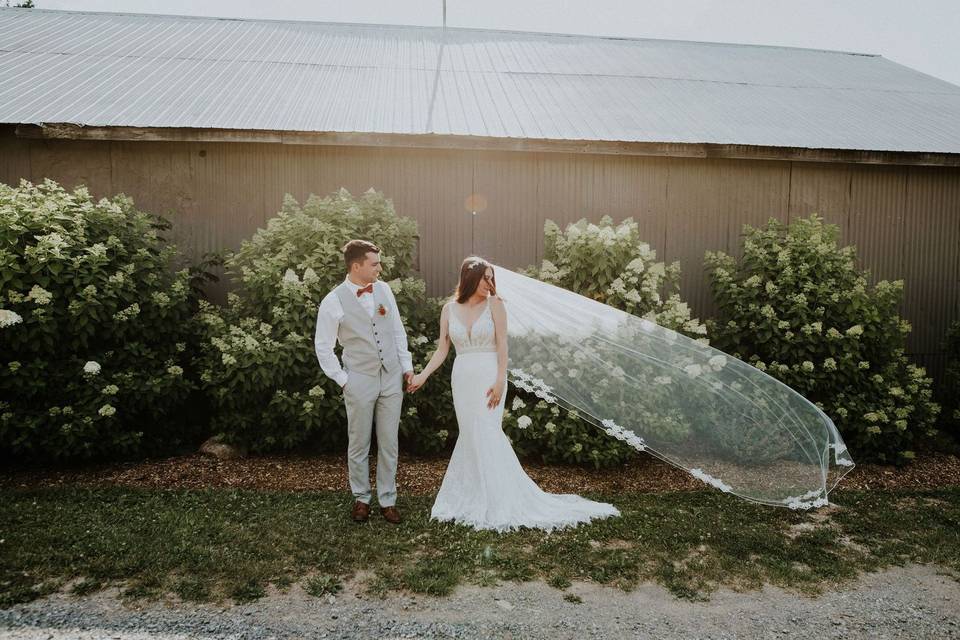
[328,324]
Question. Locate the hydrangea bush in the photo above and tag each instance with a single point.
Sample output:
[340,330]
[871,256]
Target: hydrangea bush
[608,263]
[95,327]
[611,264]
[796,307]
[258,362]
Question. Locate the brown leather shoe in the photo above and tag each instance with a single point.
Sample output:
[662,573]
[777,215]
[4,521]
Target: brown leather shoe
[390,514]
[360,511]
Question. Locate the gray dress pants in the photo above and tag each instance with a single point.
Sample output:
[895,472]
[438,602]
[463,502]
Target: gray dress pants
[373,399]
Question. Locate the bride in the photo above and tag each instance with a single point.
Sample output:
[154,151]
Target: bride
[484,485]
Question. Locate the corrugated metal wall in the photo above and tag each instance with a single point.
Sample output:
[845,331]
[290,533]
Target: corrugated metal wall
[905,221]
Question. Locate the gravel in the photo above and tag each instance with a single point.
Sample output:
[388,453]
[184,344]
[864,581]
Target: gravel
[903,602]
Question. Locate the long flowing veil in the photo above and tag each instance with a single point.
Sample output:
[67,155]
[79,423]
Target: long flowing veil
[719,418]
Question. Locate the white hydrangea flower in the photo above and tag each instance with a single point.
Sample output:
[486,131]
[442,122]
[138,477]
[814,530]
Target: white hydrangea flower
[518,403]
[174,370]
[718,361]
[290,278]
[855,330]
[130,312]
[107,410]
[807,366]
[98,250]
[524,421]
[318,392]
[9,318]
[228,359]
[39,295]
[693,370]
[110,390]
[309,275]
[830,364]
[160,299]
[91,367]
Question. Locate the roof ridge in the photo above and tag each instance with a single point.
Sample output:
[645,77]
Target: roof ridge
[375,25]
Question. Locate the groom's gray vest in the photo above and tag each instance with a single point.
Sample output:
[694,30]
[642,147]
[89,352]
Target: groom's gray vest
[367,342]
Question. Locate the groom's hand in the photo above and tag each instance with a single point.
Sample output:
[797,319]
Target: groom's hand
[407,377]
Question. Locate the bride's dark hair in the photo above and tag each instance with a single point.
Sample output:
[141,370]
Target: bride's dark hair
[471,272]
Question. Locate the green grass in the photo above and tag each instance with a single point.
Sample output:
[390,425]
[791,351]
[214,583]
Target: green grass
[217,544]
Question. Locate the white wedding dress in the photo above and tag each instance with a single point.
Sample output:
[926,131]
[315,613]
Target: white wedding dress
[484,485]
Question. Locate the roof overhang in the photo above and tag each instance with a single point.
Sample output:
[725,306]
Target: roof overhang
[64,131]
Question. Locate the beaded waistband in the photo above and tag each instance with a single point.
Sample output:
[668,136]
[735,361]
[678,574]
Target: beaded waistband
[476,350]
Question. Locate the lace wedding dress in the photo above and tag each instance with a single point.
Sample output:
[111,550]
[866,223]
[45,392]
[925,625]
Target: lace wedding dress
[484,485]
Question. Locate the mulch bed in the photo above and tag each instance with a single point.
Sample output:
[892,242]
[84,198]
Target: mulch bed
[422,476]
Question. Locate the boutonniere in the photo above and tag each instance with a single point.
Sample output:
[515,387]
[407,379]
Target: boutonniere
[382,310]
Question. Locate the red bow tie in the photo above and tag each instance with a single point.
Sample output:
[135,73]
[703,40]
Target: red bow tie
[366,289]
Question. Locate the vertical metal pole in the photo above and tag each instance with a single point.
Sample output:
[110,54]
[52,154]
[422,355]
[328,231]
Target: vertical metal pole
[444,14]
[473,222]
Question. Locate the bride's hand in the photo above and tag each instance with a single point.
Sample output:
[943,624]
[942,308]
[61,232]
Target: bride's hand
[416,382]
[493,393]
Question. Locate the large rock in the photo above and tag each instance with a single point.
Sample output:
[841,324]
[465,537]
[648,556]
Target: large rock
[221,450]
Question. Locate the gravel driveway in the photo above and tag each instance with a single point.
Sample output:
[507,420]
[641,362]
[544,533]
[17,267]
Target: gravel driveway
[909,602]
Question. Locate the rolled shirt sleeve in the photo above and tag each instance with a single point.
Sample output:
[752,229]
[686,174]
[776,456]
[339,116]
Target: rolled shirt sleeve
[328,322]
[400,335]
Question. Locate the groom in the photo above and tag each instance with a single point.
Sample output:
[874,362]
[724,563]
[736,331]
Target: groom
[361,313]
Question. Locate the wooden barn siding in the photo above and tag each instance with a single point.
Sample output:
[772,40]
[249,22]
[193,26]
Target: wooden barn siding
[905,221]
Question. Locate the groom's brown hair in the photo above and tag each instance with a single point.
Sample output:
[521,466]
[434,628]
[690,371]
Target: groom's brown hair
[356,251]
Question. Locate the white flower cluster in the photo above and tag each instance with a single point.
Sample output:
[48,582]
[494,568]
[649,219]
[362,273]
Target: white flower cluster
[39,295]
[9,318]
[130,312]
[91,367]
[47,247]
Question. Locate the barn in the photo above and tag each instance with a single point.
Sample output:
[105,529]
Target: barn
[211,121]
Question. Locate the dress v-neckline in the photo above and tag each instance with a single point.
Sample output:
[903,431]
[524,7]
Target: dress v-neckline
[475,320]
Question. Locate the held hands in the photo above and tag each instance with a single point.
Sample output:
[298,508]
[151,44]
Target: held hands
[414,382]
[494,393]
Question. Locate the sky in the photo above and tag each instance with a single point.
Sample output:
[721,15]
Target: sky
[922,34]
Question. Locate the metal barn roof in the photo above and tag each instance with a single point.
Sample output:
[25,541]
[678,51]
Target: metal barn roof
[130,70]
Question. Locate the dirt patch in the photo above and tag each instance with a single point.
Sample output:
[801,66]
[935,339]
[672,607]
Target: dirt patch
[422,476]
